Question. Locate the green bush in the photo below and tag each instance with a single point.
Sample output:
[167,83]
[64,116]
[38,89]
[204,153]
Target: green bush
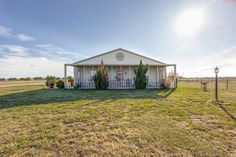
[140,79]
[101,78]
[60,84]
[50,81]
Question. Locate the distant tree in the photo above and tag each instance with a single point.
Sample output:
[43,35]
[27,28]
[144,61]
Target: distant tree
[27,78]
[37,78]
[101,78]
[140,79]
[12,79]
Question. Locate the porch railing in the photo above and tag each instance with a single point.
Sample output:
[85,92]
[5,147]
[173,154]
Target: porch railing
[121,85]
[117,85]
[86,84]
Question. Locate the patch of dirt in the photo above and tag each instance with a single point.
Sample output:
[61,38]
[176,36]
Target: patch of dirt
[209,119]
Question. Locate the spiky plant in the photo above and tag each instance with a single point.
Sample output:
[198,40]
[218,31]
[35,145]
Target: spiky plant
[101,78]
[140,79]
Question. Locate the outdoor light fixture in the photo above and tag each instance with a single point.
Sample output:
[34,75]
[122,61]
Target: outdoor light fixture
[216,83]
[216,70]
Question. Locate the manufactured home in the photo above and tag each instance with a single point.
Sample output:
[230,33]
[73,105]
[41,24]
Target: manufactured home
[120,64]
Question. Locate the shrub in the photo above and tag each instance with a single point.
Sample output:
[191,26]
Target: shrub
[77,86]
[140,79]
[60,84]
[101,79]
[165,84]
[51,80]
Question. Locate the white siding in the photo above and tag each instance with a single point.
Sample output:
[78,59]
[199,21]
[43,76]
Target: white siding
[110,59]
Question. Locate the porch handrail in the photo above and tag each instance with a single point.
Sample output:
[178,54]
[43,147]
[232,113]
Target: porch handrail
[113,84]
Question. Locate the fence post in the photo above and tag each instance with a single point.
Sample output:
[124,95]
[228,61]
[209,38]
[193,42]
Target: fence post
[201,83]
[227,84]
[176,82]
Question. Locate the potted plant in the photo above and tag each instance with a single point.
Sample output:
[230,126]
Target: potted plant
[70,80]
[165,84]
[51,80]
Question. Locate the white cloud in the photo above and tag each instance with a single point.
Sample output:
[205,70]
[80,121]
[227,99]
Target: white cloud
[52,51]
[24,37]
[13,50]
[15,66]
[42,60]
[5,32]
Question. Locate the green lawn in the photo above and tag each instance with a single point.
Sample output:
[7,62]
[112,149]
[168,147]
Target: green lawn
[35,121]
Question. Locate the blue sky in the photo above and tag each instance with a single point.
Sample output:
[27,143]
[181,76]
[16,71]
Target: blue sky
[38,37]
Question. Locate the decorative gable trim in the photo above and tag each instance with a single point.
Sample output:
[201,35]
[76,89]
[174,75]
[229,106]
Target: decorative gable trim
[102,54]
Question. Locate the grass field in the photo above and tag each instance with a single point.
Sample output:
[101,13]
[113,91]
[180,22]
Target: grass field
[35,121]
[21,83]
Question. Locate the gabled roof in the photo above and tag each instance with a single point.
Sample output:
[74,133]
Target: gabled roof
[117,50]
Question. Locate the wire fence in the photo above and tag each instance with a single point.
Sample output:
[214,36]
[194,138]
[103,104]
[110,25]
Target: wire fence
[223,83]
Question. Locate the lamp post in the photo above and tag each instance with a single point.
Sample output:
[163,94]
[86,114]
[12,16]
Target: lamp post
[216,83]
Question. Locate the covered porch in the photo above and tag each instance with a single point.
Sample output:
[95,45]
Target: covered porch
[120,76]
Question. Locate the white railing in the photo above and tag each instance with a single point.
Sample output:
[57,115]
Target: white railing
[121,84]
[153,85]
[117,85]
[86,84]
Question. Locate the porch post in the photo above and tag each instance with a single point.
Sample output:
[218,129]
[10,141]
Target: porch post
[83,73]
[65,81]
[121,72]
[157,84]
[175,85]
[165,73]
[111,82]
[130,74]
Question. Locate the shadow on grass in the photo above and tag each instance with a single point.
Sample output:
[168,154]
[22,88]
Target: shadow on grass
[226,111]
[46,96]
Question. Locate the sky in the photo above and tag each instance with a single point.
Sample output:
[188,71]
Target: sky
[38,37]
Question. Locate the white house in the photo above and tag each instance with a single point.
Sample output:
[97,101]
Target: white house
[120,64]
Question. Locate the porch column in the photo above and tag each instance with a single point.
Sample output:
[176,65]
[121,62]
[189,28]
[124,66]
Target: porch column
[83,73]
[122,77]
[157,80]
[175,83]
[112,74]
[165,73]
[65,81]
[130,74]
